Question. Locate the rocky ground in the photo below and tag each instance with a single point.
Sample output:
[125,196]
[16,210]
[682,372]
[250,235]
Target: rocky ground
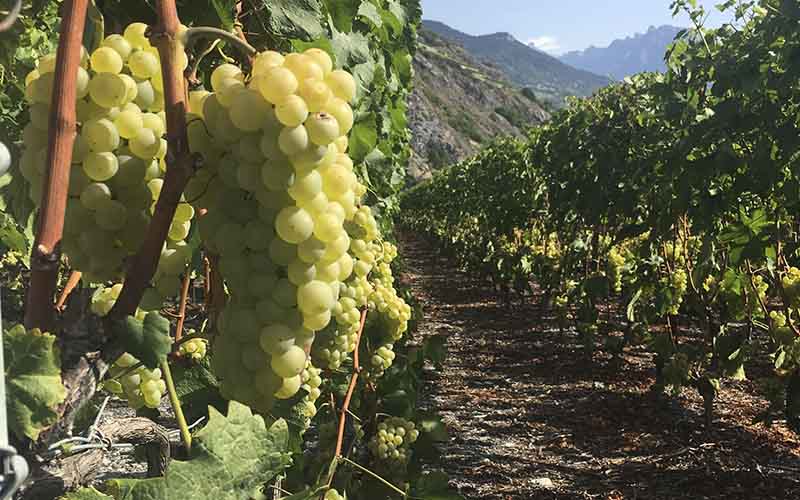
[531,417]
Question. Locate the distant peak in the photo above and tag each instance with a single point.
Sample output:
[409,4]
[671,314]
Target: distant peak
[502,35]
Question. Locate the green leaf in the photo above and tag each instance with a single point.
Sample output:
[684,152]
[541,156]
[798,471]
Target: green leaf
[94,30]
[232,456]
[86,494]
[224,9]
[33,380]
[296,18]
[369,11]
[401,61]
[342,13]
[434,486]
[433,426]
[435,349]
[147,340]
[197,388]
[363,137]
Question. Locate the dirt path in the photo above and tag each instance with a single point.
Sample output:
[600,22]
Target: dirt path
[532,418]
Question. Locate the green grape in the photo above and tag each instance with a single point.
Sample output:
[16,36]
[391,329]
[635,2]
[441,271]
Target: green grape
[342,84]
[225,72]
[294,225]
[289,363]
[145,144]
[315,297]
[106,60]
[179,230]
[111,215]
[101,135]
[322,128]
[95,195]
[145,95]
[108,90]
[342,112]
[315,93]
[293,140]
[119,44]
[144,64]
[276,84]
[332,494]
[131,89]
[248,110]
[322,59]
[82,83]
[306,187]
[303,67]
[291,111]
[100,167]
[128,123]
[135,35]
[289,387]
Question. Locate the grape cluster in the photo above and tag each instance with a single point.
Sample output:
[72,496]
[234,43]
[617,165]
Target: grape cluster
[678,281]
[117,159]
[140,387]
[616,263]
[392,444]
[194,349]
[791,287]
[391,313]
[283,214]
[311,379]
[380,361]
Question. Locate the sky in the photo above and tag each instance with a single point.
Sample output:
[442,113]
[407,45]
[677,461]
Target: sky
[558,26]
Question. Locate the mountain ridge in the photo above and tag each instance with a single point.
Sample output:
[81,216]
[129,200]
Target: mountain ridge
[550,78]
[459,103]
[624,57]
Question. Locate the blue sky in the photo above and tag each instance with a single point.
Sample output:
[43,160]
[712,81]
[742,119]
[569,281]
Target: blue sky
[558,26]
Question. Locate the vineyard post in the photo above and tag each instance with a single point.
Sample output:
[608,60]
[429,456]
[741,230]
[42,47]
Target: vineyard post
[46,252]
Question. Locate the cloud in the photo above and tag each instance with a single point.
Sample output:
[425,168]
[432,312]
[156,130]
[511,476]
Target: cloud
[545,43]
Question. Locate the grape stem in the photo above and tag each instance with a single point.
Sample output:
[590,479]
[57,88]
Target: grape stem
[351,388]
[186,436]
[72,282]
[182,310]
[379,478]
[46,253]
[12,16]
[205,31]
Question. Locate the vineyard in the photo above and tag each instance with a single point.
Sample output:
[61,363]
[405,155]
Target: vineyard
[658,216]
[217,284]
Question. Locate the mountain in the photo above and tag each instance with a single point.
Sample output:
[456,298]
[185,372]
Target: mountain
[550,78]
[641,52]
[458,103]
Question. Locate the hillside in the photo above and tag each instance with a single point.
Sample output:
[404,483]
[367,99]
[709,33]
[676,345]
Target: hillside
[458,102]
[550,78]
[625,57]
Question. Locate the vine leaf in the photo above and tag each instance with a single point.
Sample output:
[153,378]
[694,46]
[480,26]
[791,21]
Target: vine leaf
[434,486]
[296,18]
[95,29]
[86,494]
[147,340]
[233,456]
[33,378]
[224,9]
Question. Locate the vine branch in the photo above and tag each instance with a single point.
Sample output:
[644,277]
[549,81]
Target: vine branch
[351,388]
[46,253]
[180,163]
